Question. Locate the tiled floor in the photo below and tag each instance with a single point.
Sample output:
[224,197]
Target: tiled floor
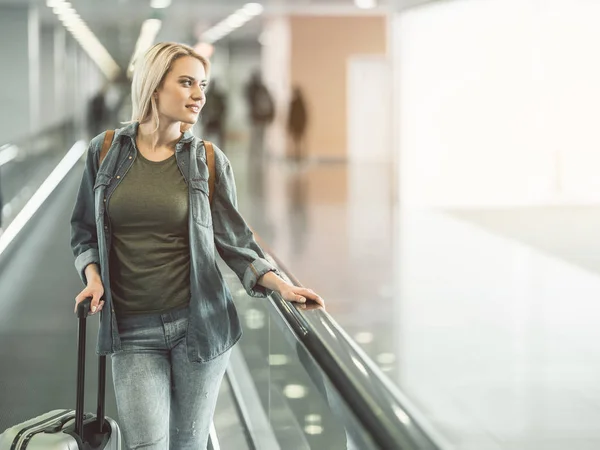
[487,320]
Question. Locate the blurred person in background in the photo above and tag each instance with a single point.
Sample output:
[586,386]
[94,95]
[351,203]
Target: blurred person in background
[262,113]
[297,121]
[145,235]
[214,113]
[97,112]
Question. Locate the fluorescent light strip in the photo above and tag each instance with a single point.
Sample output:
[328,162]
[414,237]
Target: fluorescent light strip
[232,22]
[80,31]
[365,4]
[160,4]
[253,9]
[44,191]
[8,153]
[148,32]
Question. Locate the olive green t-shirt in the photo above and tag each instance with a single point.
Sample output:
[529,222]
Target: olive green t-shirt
[150,256]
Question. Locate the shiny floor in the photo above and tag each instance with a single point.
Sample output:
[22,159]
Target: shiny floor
[286,398]
[486,319]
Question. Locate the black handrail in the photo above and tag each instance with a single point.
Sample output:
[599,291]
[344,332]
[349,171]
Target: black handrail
[372,397]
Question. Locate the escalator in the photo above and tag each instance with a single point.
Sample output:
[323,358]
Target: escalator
[295,380]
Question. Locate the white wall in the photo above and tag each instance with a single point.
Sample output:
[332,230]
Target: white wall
[69,78]
[14,76]
[275,63]
[369,109]
[369,155]
[498,102]
[47,78]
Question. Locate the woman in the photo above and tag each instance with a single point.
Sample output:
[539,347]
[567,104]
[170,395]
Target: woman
[297,121]
[144,237]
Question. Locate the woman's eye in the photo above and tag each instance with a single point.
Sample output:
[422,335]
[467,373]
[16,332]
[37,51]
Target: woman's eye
[203,87]
[187,83]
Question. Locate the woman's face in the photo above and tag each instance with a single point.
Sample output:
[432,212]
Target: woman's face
[181,97]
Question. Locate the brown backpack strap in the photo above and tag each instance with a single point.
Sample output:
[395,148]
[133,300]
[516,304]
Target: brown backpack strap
[210,161]
[108,138]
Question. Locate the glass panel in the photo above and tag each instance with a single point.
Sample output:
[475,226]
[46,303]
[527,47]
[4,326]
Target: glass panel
[228,425]
[303,408]
[26,163]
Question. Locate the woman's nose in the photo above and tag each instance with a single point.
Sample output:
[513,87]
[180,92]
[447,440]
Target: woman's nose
[198,94]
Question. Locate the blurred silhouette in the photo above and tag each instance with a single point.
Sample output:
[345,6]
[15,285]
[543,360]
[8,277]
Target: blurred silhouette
[298,210]
[213,114]
[297,121]
[97,113]
[262,113]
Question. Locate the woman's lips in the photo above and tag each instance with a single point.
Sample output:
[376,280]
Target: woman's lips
[194,108]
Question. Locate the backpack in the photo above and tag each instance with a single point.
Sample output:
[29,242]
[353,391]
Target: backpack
[210,160]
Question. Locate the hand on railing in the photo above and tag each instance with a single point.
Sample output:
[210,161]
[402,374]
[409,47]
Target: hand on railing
[300,295]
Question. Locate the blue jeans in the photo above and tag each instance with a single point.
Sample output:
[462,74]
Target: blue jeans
[164,401]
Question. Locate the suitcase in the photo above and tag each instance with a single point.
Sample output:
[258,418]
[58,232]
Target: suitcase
[64,429]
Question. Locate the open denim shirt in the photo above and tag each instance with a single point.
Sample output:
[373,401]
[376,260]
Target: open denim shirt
[214,326]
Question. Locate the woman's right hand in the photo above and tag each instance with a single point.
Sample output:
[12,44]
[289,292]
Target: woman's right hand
[95,290]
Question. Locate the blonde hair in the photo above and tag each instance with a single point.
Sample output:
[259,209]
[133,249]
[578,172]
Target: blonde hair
[149,73]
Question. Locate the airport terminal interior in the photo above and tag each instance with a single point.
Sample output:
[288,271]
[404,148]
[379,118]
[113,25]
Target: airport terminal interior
[429,168]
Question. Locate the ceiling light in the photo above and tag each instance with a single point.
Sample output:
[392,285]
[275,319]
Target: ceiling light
[160,4]
[60,6]
[78,28]
[152,24]
[60,9]
[69,20]
[204,49]
[236,21]
[254,9]
[365,4]
[244,13]
[148,32]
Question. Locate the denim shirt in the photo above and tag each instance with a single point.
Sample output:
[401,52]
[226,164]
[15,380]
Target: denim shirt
[214,326]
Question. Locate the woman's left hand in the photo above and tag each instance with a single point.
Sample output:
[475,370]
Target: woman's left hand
[297,294]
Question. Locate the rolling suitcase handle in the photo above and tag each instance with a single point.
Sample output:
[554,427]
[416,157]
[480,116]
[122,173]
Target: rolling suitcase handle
[83,309]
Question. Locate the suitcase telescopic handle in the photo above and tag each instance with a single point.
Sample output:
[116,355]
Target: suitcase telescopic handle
[83,310]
